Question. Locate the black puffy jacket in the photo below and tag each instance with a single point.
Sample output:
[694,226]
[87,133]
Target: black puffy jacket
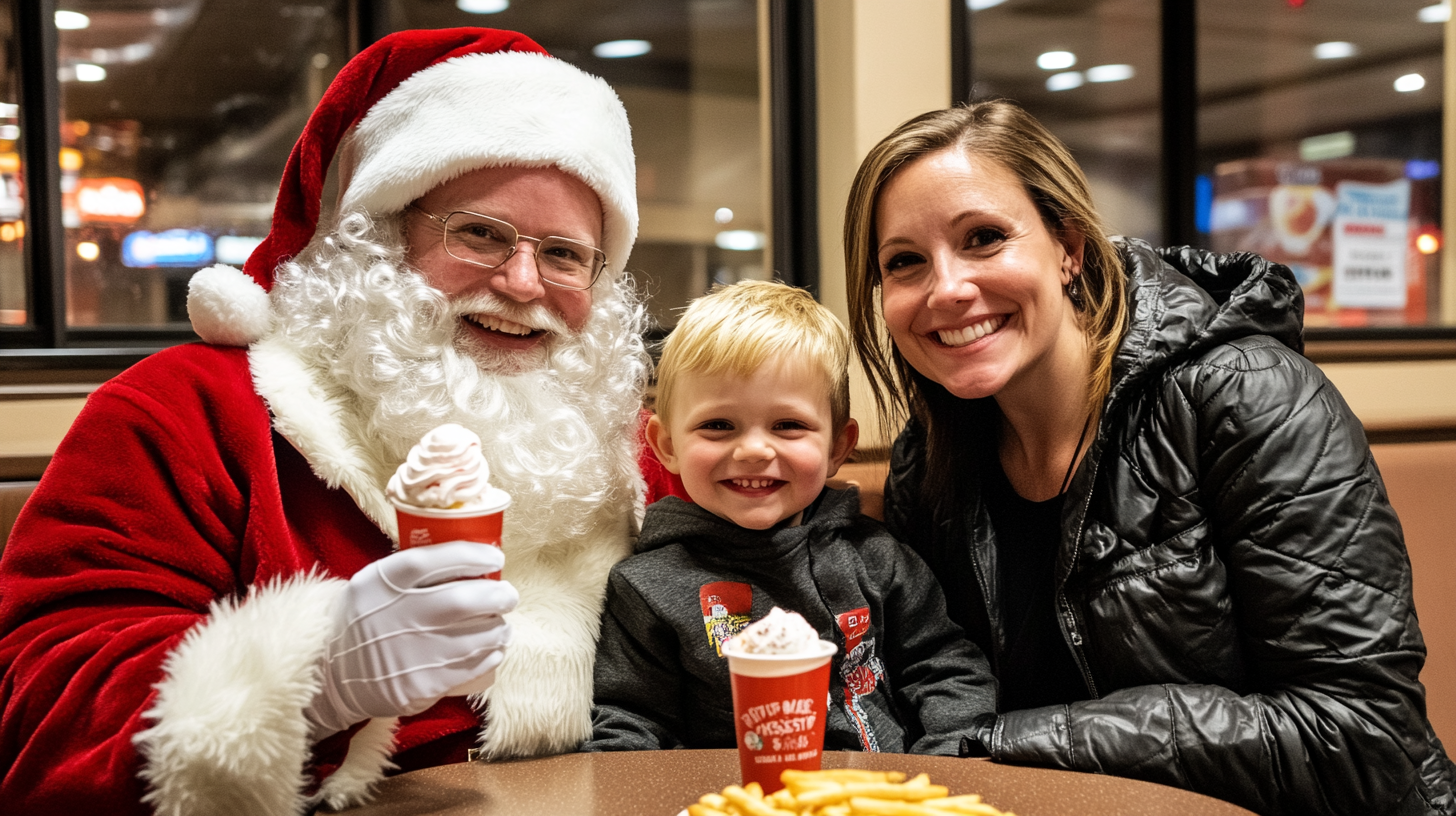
[1232,580]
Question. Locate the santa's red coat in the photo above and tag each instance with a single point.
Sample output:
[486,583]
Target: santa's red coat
[163,600]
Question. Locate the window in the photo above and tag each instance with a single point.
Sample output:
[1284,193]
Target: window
[173,119]
[1319,146]
[13,223]
[1309,132]
[1089,71]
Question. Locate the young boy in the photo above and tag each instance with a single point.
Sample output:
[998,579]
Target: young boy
[753,415]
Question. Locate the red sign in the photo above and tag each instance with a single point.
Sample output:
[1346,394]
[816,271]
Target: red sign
[118,200]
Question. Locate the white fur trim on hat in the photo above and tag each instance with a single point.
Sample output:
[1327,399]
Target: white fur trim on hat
[488,110]
[227,307]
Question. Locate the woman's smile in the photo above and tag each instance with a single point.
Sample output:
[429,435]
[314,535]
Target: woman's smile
[965,336]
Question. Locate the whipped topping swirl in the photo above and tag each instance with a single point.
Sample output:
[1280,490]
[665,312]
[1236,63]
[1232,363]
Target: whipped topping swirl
[777,633]
[444,470]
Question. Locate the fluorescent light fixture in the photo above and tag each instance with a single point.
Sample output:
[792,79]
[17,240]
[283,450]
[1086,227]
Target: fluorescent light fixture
[11,132]
[621,49]
[9,110]
[86,72]
[741,240]
[722,215]
[1056,60]
[483,6]
[1410,83]
[1109,73]
[1327,146]
[982,5]
[1065,81]
[1438,13]
[1335,49]
[72,20]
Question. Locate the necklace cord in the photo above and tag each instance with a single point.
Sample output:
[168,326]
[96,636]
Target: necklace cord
[1072,465]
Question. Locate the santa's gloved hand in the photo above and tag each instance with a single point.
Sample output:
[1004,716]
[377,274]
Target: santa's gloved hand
[407,633]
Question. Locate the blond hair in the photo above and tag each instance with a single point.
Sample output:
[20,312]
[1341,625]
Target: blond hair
[735,329]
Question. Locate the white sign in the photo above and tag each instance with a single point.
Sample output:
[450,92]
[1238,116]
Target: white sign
[1371,235]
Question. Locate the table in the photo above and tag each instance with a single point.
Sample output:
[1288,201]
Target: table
[662,783]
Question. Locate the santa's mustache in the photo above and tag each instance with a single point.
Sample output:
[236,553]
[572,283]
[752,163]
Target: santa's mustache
[532,315]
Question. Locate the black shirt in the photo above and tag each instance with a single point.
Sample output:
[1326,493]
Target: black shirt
[1037,668]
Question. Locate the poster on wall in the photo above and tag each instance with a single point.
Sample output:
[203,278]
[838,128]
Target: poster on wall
[1371,233]
[1345,227]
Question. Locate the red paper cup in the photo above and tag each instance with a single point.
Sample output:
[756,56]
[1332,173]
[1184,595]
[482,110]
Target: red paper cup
[421,526]
[779,706]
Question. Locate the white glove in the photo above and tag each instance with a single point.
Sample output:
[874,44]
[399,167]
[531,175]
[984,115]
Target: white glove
[407,633]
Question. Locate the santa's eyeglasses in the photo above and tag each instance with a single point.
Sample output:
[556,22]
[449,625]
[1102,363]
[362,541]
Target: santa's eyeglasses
[489,242]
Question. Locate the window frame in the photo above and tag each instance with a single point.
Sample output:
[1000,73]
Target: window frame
[46,342]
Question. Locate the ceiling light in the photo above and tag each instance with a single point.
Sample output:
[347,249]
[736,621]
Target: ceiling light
[722,215]
[1056,60]
[88,250]
[982,5]
[1410,82]
[1109,73]
[1439,13]
[71,20]
[86,72]
[620,49]
[483,6]
[1336,49]
[1064,81]
[742,240]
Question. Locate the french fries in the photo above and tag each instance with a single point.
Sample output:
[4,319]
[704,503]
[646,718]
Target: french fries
[843,792]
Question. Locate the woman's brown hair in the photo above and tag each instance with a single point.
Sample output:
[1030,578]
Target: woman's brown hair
[1004,133]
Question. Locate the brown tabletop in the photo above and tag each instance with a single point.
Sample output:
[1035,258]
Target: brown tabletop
[662,783]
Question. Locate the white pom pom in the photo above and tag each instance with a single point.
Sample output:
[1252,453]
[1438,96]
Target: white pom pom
[227,307]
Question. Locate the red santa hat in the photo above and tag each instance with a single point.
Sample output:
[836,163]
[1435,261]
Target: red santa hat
[412,111]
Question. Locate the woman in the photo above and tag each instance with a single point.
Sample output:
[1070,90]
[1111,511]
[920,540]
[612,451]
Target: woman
[1159,520]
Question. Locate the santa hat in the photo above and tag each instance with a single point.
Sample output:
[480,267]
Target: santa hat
[412,111]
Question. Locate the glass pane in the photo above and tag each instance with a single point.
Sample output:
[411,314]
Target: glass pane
[1320,144]
[177,117]
[1090,72]
[688,76]
[13,306]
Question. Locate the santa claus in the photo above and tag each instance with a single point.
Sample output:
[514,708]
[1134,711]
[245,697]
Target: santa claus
[203,606]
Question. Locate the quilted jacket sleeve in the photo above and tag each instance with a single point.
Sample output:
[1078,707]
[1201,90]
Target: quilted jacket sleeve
[1321,588]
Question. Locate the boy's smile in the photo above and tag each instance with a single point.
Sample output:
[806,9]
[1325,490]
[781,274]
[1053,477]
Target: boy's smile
[754,450]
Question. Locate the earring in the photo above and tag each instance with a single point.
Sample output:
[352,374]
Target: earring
[1074,293]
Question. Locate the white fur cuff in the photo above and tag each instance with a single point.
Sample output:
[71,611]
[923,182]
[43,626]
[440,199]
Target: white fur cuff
[227,307]
[228,733]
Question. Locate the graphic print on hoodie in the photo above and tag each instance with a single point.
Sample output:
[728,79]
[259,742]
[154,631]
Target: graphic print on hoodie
[861,671]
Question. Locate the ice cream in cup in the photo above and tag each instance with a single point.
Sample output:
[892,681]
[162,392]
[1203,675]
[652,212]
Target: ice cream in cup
[442,492]
[780,673]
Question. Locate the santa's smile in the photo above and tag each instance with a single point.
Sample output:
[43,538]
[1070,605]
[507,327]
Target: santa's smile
[969,334]
[502,332]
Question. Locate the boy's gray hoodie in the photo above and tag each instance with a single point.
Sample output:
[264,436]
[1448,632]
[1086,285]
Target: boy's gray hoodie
[905,679]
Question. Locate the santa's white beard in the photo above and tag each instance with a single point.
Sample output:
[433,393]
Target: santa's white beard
[558,436]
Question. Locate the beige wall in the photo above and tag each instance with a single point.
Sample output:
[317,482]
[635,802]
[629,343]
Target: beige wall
[32,427]
[879,63]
